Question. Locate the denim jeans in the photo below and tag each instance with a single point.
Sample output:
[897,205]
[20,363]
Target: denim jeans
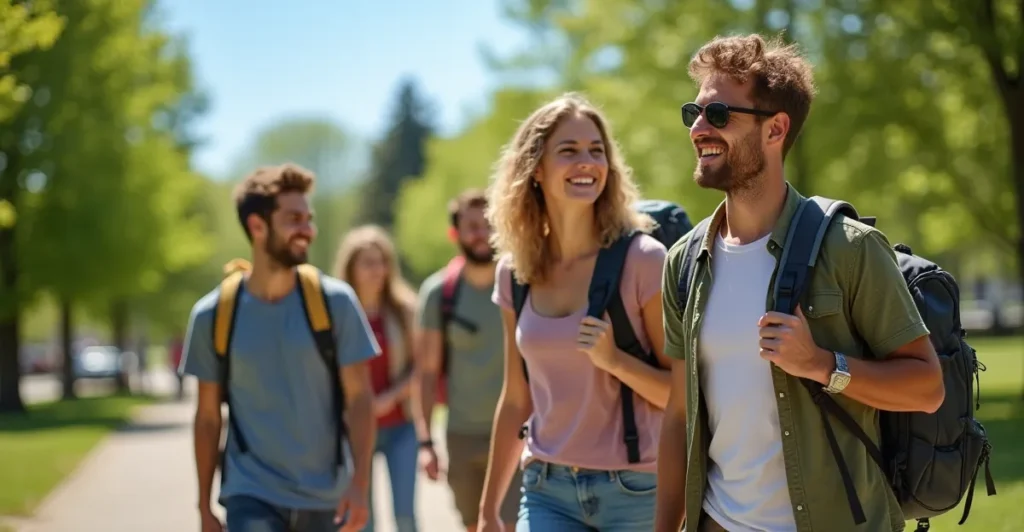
[399,446]
[249,514]
[566,499]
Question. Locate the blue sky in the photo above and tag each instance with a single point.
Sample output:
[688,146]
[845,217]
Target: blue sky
[261,61]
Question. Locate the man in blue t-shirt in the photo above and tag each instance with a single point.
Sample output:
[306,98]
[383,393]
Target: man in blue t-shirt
[288,478]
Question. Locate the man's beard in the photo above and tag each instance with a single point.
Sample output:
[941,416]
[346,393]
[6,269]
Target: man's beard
[280,252]
[740,170]
[475,257]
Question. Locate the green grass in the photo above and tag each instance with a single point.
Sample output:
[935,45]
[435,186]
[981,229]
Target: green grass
[1002,413]
[38,449]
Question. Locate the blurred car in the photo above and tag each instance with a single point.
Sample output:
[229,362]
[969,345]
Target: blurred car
[97,362]
[37,358]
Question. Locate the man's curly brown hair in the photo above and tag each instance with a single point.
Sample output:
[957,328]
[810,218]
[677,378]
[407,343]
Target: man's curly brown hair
[257,193]
[783,80]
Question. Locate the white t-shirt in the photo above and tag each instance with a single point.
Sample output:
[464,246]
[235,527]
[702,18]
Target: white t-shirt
[747,489]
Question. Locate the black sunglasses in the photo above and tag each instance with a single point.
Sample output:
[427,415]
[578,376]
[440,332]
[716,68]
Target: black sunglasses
[717,113]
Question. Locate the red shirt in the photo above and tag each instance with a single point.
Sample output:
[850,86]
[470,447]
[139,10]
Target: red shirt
[177,346]
[380,374]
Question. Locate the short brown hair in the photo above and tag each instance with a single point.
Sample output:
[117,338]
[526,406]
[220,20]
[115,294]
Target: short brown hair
[468,199]
[782,77]
[257,193]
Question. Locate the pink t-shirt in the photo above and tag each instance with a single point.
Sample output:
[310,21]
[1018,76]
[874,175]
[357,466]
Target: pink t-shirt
[577,412]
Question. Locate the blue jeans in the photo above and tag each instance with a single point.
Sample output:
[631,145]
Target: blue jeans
[564,499]
[249,514]
[399,446]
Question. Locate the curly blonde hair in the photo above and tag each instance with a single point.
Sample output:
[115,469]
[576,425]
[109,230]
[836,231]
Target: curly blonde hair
[516,209]
[398,297]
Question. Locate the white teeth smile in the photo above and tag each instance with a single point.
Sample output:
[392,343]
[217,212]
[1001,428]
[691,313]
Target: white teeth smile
[582,180]
[709,151]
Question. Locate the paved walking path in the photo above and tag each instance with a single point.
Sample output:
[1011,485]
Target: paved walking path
[141,479]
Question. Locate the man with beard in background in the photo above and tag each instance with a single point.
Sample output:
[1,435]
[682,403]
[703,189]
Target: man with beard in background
[281,469]
[461,337]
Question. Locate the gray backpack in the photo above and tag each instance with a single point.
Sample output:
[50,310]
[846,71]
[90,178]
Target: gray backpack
[930,460]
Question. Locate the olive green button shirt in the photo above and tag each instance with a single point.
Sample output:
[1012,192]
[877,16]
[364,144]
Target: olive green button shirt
[857,303]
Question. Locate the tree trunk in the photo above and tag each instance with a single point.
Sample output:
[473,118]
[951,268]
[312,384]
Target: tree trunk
[10,366]
[1017,143]
[1010,86]
[1016,116]
[66,347]
[10,302]
[119,328]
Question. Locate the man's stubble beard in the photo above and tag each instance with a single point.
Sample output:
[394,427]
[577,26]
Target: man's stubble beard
[280,254]
[740,172]
[473,257]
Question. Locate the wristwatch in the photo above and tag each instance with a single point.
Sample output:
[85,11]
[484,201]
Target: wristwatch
[840,376]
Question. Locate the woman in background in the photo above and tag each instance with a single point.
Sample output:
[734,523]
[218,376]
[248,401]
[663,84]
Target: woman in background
[368,262]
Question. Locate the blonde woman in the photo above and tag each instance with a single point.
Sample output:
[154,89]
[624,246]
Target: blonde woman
[367,260]
[560,196]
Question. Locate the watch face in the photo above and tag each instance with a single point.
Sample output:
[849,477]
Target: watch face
[839,381]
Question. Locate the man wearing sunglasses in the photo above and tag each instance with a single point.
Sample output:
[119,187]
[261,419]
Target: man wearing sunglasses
[757,456]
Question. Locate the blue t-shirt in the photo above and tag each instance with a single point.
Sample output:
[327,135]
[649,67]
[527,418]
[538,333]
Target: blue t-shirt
[281,394]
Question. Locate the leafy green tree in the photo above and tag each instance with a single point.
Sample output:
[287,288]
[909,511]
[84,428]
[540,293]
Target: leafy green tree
[107,182]
[334,154]
[457,163]
[167,309]
[980,45]
[889,114]
[24,28]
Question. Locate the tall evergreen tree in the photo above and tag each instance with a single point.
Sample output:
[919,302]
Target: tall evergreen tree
[399,156]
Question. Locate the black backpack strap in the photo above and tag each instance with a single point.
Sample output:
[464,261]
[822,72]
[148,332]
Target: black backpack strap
[604,282]
[605,295]
[803,243]
[685,283]
[318,315]
[519,293]
[625,337]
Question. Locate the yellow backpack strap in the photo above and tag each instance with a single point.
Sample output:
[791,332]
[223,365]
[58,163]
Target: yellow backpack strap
[224,314]
[313,298]
[223,328]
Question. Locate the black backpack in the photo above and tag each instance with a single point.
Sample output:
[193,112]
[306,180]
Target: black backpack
[930,460]
[673,222]
[603,296]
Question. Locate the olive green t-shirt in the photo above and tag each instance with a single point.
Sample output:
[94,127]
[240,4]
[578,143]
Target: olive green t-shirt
[476,366]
